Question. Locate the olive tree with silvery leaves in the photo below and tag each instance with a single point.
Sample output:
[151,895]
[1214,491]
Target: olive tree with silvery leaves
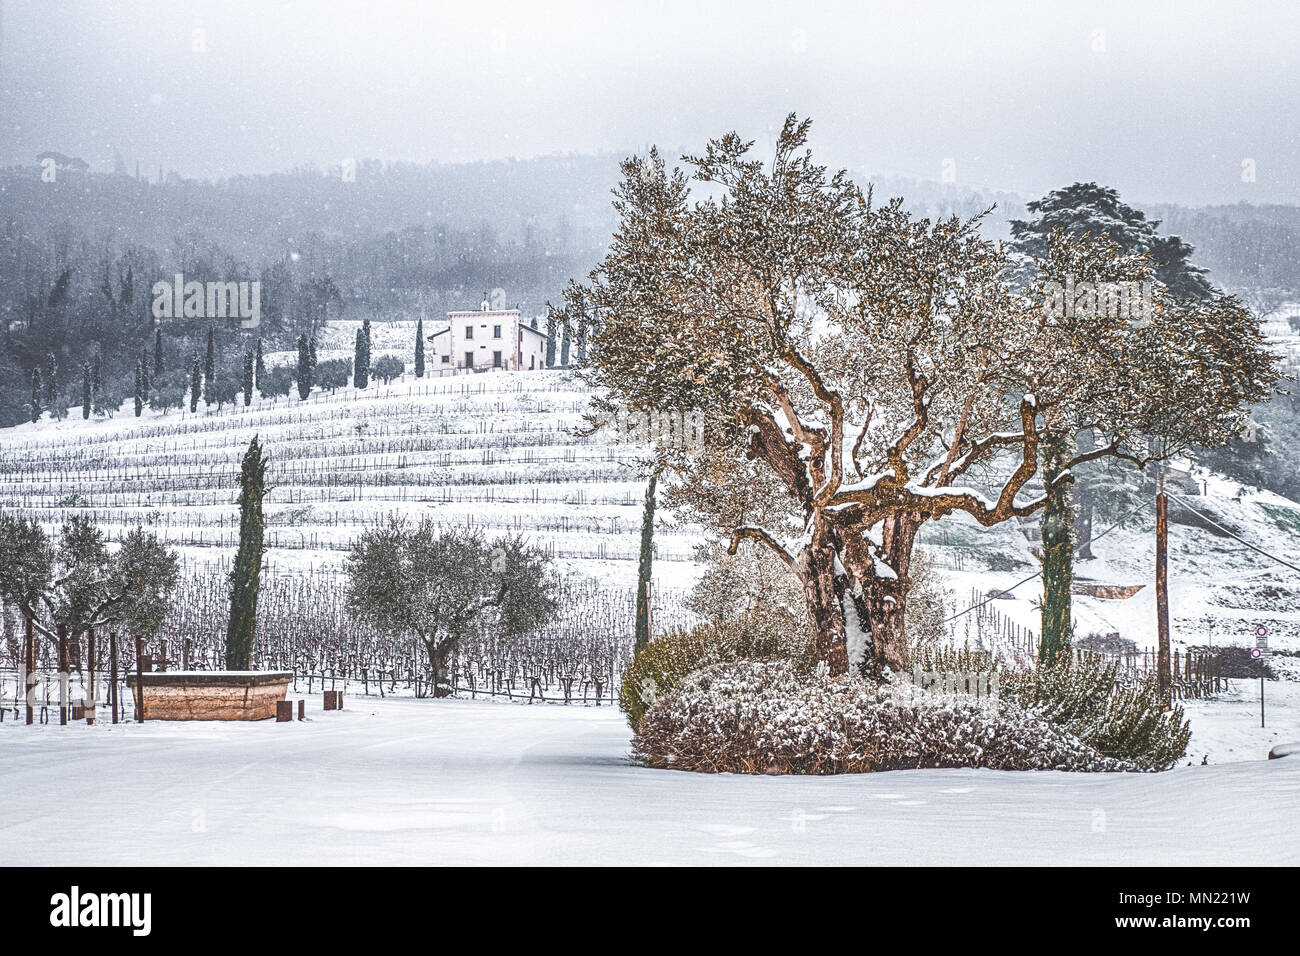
[861,371]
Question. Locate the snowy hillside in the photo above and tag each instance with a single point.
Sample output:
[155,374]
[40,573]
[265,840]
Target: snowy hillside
[494,451]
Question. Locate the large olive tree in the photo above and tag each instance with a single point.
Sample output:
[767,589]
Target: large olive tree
[862,372]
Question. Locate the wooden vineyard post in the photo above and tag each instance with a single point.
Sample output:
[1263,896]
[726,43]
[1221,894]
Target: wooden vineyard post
[1162,594]
[139,681]
[112,673]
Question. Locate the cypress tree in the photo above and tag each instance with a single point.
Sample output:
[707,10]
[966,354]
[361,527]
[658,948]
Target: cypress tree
[304,368]
[85,390]
[644,567]
[1058,558]
[158,367]
[245,579]
[259,366]
[419,347]
[50,382]
[196,382]
[564,345]
[144,372]
[140,373]
[360,367]
[550,341]
[96,385]
[248,377]
[36,395]
[210,369]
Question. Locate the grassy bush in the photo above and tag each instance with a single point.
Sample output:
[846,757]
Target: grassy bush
[767,717]
[1126,723]
[662,665]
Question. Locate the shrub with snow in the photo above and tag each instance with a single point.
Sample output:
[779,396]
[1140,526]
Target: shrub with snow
[756,716]
[660,667]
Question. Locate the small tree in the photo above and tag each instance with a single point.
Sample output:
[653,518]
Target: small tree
[260,363]
[97,386]
[446,586]
[245,579]
[36,395]
[139,389]
[389,367]
[158,365]
[85,390]
[144,372]
[419,347]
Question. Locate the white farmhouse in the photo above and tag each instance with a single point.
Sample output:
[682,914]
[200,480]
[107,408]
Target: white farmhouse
[486,339]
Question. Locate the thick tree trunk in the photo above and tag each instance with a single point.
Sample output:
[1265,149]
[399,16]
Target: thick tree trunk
[856,608]
[440,666]
[886,597]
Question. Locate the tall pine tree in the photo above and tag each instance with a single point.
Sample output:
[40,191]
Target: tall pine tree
[158,366]
[144,372]
[36,395]
[85,390]
[259,366]
[210,369]
[245,579]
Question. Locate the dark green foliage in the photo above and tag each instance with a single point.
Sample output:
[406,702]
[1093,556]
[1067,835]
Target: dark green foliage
[210,359]
[332,374]
[260,364]
[144,372]
[196,382]
[139,390]
[274,382]
[159,367]
[665,662]
[550,340]
[52,401]
[246,578]
[564,344]
[388,367]
[85,390]
[306,367]
[360,362]
[1128,723]
[1057,534]
[97,386]
[644,566]
[36,395]
[419,348]
[248,379]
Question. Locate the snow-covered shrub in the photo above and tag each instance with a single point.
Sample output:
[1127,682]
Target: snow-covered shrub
[661,666]
[1084,698]
[754,716]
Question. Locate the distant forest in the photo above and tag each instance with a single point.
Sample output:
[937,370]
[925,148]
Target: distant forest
[79,255]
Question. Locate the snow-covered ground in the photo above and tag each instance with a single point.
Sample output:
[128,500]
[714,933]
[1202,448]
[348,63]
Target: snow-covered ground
[465,782]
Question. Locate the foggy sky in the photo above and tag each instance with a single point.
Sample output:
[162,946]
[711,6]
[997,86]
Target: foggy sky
[1163,100]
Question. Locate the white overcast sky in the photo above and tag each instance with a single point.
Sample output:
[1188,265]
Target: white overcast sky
[1164,100]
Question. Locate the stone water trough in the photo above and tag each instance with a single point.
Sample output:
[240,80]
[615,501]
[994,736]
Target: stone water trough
[211,695]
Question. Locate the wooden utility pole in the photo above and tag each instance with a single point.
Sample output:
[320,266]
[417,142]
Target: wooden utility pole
[29,668]
[90,681]
[112,673]
[63,675]
[1162,593]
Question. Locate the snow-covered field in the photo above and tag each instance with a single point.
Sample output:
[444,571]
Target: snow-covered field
[443,782]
